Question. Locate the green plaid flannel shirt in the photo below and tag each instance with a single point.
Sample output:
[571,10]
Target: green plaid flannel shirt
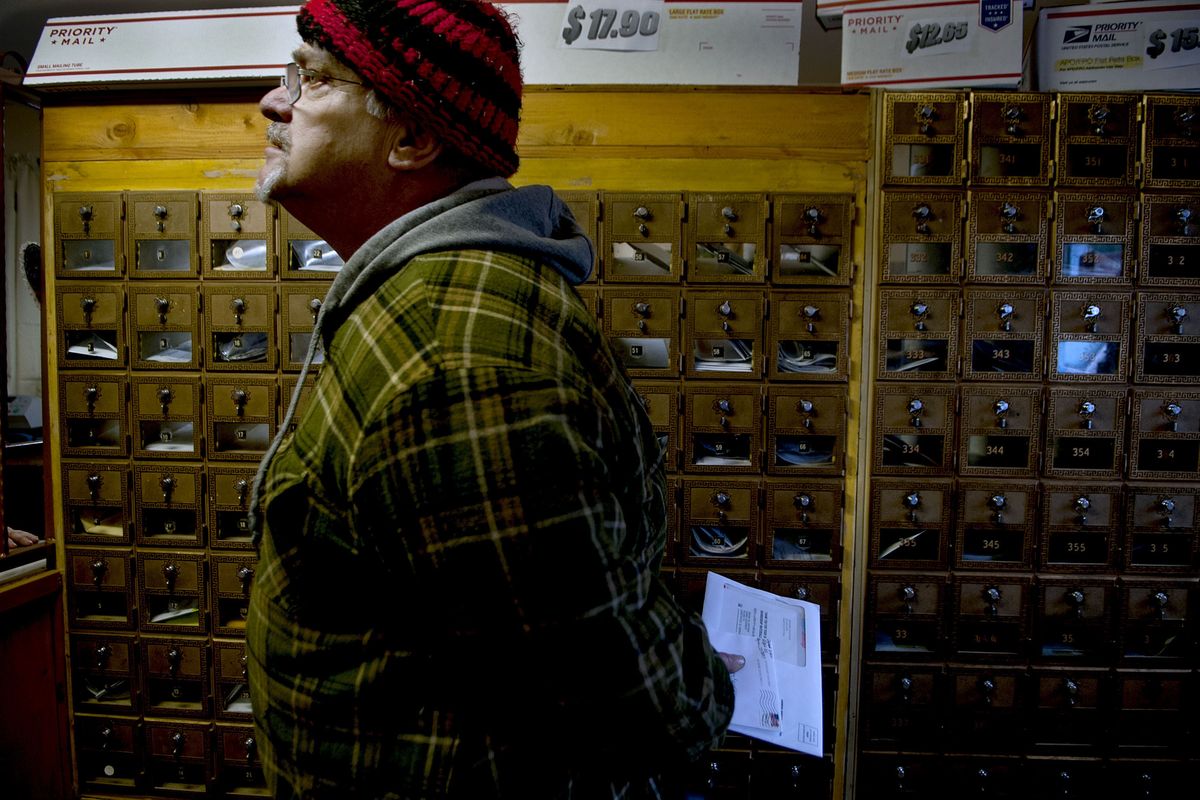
[458,589]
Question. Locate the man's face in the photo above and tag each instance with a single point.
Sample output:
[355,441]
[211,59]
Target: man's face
[322,147]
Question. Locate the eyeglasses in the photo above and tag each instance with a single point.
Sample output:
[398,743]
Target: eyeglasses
[295,76]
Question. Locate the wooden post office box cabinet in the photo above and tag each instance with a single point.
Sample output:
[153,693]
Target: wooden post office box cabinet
[722,428]
[1165,435]
[172,592]
[241,416]
[892,776]
[922,237]
[1152,716]
[987,706]
[642,326]
[1010,139]
[1004,334]
[824,590]
[231,687]
[168,504]
[924,135]
[237,236]
[89,235]
[804,524]
[918,334]
[662,400]
[1161,531]
[728,237]
[1090,336]
[1008,237]
[303,254]
[1159,778]
[806,430]
[299,307]
[1056,776]
[108,750]
[1170,240]
[233,575]
[585,208]
[91,325]
[238,768]
[1081,526]
[902,705]
[910,523]
[914,429]
[161,234]
[164,326]
[905,615]
[1085,433]
[719,521]
[240,323]
[1168,338]
[1075,618]
[104,673]
[724,334]
[1072,708]
[996,524]
[1094,239]
[175,676]
[94,415]
[990,615]
[1097,139]
[1000,431]
[1157,619]
[100,589]
[1172,154]
[96,502]
[812,237]
[642,237]
[179,756]
[167,416]
[808,336]
[229,507]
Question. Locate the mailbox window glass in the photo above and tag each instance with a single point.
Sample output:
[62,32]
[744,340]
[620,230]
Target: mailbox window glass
[92,345]
[163,436]
[240,348]
[723,355]
[94,433]
[98,520]
[809,260]
[919,258]
[721,449]
[1089,358]
[1077,547]
[1079,452]
[1176,163]
[922,160]
[807,356]
[243,255]
[174,609]
[89,255]
[644,353]
[805,451]
[1006,258]
[998,451]
[1096,161]
[165,347]
[1092,260]
[722,258]
[1169,455]
[802,544]
[313,255]
[299,343]
[993,545]
[168,523]
[173,255]
[642,259]
[1173,261]
[1010,160]
[1002,355]
[917,355]
[1171,358]
[235,437]
[719,541]
[908,450]
[909,544]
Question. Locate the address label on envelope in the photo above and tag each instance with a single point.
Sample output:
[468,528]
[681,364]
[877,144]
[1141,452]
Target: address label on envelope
[899,44]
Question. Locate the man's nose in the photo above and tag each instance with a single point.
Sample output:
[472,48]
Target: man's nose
[274,105]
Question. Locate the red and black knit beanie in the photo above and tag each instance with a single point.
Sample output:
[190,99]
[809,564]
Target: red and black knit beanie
[452,64]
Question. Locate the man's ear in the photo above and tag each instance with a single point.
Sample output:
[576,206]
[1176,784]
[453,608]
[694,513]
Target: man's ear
[413,149]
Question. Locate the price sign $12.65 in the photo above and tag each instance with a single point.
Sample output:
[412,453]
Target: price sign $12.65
[611,25]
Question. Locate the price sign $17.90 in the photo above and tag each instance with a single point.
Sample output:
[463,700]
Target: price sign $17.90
[611,25]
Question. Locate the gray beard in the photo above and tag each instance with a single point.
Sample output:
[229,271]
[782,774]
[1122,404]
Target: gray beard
[280,136]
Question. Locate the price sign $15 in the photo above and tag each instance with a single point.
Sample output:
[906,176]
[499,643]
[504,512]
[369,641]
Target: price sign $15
[615,25]
[1180,40]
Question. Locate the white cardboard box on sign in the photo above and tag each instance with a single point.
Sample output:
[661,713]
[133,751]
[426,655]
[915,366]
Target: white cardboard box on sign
[899,44]
[1154,44]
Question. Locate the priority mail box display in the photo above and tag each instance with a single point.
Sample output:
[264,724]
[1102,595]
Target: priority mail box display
[900,44]
[1119,46]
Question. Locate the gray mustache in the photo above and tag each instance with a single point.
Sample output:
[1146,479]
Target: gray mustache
[278,135]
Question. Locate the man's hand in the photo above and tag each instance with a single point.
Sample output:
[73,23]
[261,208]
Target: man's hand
[18,538]
[732,662]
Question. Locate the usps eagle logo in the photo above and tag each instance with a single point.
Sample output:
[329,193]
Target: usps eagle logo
[1077,35]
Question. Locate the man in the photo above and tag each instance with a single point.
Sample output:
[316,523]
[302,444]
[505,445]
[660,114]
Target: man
[457,592]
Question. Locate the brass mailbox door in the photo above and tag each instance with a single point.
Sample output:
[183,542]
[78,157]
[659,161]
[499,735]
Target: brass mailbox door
[585,208]
[1168,338]
[1165,435]
[905,615]
[918,334]
[1085,433]
[175,679]
[804,524]
[1001,431]
[812,237]
[303,254]
[229,507]
[237,236]
[1080,526]
[1156,614]
[168,505]
[1170,254]
[231,680]
[822,589]
[720,521]
[1162,529]
[1097,139]
[240,415]
[88,235]
[171,592]
[238,769]
[164,326]
[1069,708]
[642,324]
[167,416]
[1005,331]
[1094,239]
[923,138]
[96,502]
[728,238]
[233,575]
[1010,138]
[914,429]
[1172,148]
[162,234]
[910,523]
[104,668]
[91,322]
[806,430]
[1089,336]
[808,336]
[178,756]
[922,237]
[1008,236]
[662,401]
[643,237]
[93,411]
[109,751]
[991,615]
[724,334]
[901,709]
[240,323]
[1074,618]
[299,307]
[996,524]
[100,588]
[722,428]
